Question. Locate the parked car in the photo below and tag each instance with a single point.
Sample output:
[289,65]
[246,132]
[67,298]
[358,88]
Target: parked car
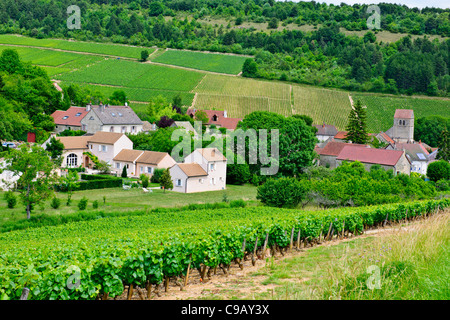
[11,145]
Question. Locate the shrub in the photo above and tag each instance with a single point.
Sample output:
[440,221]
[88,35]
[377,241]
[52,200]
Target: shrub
[55,203]
[11,199]
[283,192]
[83,203]
[95,204]
[438,170]
[237,204]
[145,180]
[442,185]
[157,173]
[124,172]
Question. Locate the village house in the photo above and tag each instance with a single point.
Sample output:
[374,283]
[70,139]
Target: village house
[7,178]
[202,170]
[107,145]
[325,131]
[106,118]
[218,118]
[328,154]
[387,159]
[141,162]
[69,119]
[186,125]
[416,153]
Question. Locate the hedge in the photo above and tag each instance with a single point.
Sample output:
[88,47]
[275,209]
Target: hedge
[90,182]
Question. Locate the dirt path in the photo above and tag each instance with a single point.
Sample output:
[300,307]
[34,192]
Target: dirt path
[243,281]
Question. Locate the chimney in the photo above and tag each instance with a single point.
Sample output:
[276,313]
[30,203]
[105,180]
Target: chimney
[323,126]
[126,104]
[88,107]
[225,114]
[101,107]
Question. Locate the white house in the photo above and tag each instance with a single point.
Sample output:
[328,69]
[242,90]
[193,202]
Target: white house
[107,145]
[73,150]
[141,162]
[203,170]
[7,178]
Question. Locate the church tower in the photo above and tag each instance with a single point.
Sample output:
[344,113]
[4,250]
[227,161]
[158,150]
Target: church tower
[403,129]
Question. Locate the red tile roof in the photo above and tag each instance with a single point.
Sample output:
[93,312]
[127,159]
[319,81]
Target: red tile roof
[222,120]
[333,148]
[386,137]
[370,155]
[404,113]
[71,114]
[341,135]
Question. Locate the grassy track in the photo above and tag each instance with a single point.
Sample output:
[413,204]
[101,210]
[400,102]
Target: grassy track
[222,63]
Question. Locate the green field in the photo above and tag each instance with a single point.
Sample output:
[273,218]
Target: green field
[78,46]
[230,64]
[381,109]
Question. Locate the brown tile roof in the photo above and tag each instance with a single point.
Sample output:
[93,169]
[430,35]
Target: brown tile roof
[222,120]
[333,148]
[325,130]
[404,113]
[212,154]
[128,155]
[341,135]
[370,155]
[386,137]
[151,157]
[77,142]
[192,169]
[105,137]
[59,116]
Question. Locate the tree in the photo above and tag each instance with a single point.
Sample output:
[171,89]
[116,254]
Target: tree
[119,97]
[357,126]
[124,172]
[444,146]
[35,170]
[201,115]
[10,61]
[70,182]
[144,55]
[273,23]
[249,68]
[166,180]
[56,149]
[165,122]
[429,129]
[283,192]
[438,170]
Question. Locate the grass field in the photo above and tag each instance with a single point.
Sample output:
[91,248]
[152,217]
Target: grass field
[222,63]
[121,200]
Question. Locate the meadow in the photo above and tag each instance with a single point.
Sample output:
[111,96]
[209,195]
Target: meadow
[223,63]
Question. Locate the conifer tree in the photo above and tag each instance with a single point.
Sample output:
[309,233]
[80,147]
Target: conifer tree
[444,146]
[357,125]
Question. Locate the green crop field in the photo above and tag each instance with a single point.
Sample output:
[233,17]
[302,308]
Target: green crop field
[88,47]
[147,248]
[381,109]
[323,105]
[135,75]
[222,63]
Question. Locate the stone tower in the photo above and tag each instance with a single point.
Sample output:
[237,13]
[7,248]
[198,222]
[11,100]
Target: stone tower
[403,129]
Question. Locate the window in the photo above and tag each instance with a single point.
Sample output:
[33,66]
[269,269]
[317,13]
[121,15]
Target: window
[113,114]
[213,181]
[72,160]
[83,127]
[118,165]
[104,148]
[215,117]
[150,170]
[124,129]
[133,129]
[78,114]
[91,118]
[120,114]
[201,180]
[142,169]
[111,129]
[211,166]
[65,117]
[178,183]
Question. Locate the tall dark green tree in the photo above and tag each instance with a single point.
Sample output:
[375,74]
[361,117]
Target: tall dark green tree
[357,124]
[444,146]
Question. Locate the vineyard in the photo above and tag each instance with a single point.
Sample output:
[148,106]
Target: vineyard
[78,46]
[230,64]
[97,259]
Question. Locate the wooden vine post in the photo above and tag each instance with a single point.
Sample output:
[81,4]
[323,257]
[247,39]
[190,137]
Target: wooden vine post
[241,263]
[254,252]
[166,284]
[343,229]
[130,292]
[329,230]
[187,272]
[24,295]
[264,246]
[298,238]
[292,239]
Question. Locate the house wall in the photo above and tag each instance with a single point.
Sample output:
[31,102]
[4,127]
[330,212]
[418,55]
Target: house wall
[131,171]
[403,165]
[8,177]
[94,125]
[118,128]
[219,173]
[61,127]
[177,173]
[419,167]
[331,160]
[111,150]
[166,162]
[77,152]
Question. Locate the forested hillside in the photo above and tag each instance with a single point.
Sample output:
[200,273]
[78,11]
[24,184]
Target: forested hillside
[323,56]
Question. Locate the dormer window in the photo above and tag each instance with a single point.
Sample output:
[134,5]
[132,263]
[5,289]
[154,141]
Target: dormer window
[78,114]
[65,117]
[113,114]
[215,117]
